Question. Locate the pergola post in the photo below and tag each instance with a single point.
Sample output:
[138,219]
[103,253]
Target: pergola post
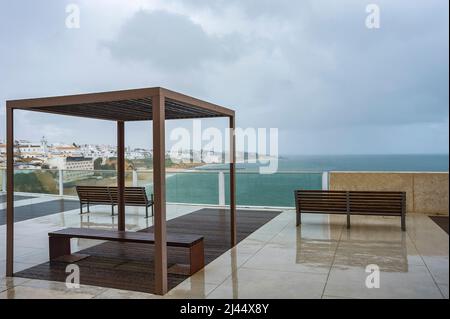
[121,174]
[159,190]
[232,182]
[9,191]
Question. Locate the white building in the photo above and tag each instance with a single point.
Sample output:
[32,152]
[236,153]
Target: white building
[74,168]
[30,150]
[66,150]
[137,153]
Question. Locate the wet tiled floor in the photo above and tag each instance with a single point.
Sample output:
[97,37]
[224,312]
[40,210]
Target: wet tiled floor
[34,207]
[16,198]
[320,259]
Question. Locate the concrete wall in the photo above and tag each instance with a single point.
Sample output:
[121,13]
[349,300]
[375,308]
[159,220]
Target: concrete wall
[426,193]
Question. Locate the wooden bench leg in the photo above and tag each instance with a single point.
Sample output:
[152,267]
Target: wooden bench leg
[348,220]
[196,257]
[403,217]
[58,246]
[298,219]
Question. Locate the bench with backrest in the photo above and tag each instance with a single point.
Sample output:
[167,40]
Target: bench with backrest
[133,196]
[351,203]
[107,195]
[93,195]
[59,242]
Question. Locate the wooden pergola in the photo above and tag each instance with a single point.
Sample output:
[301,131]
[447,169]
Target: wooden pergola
[155,104]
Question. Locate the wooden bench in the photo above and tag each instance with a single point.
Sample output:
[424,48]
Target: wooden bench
[351,203]
[59,243]
[107,195]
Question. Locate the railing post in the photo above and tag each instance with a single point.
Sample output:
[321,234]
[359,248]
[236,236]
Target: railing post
[135,178]
[325,181]
[61,182]
[221,189]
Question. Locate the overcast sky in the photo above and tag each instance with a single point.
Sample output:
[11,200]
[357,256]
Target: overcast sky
[312,69]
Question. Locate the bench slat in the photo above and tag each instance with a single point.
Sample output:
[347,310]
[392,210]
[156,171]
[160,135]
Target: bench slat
[377,203]
[175,240]
[133,196]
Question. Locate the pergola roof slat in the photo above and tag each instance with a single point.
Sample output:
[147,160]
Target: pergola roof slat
[128,105]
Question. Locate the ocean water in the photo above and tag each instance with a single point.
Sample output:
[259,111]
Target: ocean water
[323,163]
[252,189]
[294,172]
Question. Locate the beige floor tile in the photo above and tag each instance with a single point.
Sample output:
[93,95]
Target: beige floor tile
[21,292]
[438,266]
[37,242]
[274,226]
[334,297]
[351,282]
[10,282]
[427,236]
[261,236]
[444,290]
[61,287]
[391,251]
[249,246]
[265,284]
[313,256]
[322,220]
[37,257]
[377,223]
[292,234]
[125,294]
[26,251]
[221,268]
[190,289]
[232,258]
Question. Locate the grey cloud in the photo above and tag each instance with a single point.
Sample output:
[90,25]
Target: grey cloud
[336,72]
[170,41]
[255,8]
